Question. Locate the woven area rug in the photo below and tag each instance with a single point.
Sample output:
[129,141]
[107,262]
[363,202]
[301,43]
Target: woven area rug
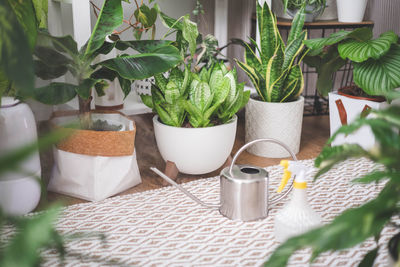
[163,227]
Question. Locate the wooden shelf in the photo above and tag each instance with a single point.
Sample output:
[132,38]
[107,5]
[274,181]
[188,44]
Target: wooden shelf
[327,24]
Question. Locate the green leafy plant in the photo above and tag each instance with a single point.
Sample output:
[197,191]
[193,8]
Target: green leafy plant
[203,99]
[345,231]
[374,60]
[298,4]
[275,74]
[56,56]
[20,22]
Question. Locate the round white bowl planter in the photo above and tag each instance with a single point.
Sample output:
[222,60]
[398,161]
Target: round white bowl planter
[195,150]
[19,190]
[351,10]
[281,121]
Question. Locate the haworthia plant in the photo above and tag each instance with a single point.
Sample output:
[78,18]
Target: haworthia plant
[202,99]
[275,74]
[375,60]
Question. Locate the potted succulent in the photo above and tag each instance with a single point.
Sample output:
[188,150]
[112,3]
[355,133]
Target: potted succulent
[19,189]
[103,144]
[313,8]
[374,61]
[277,110]
[196,123]
[358,224]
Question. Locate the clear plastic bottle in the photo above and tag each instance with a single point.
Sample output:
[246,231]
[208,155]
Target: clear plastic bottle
[297,216]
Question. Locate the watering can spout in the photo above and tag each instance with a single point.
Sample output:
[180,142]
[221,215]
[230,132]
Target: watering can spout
[190,195]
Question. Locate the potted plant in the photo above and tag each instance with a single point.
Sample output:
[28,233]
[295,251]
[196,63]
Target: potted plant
[358,224]
[313,8]
[141,21]
[374,61]
[351,11]
[103,146]
[277,110]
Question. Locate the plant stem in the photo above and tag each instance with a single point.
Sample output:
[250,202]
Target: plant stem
[84,112]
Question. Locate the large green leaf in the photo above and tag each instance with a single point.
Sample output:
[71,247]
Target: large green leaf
[317,44]
[46,72]
[110,17]
[297,26]
[84,89]
[171,22]
[24,10]
[360,51]
[141,66]
[142,46]
[15,52]
[50,56]
[64,44]
[55,93]
[381,76]
[41,9]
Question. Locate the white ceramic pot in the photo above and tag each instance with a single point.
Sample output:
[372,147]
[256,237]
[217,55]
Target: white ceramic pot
[195,150]
[281,121]
[94,165]
[19,193]
[351,10]
[113,98]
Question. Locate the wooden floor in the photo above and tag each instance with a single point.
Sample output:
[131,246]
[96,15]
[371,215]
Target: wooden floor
[314,135]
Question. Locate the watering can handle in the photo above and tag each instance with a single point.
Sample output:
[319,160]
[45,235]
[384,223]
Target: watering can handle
[271,141]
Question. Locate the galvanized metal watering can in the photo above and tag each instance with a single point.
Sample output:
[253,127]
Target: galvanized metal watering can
[243,188]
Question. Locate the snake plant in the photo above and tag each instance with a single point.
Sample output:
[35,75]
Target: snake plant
[275,74]
[203,99]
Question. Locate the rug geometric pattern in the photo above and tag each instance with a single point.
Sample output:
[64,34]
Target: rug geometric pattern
[165,228]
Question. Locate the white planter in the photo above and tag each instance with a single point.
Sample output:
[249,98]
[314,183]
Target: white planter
[18,129]
[195,150]
[351,10]
[103,164]
[281,121]
[353,108]
[113,98]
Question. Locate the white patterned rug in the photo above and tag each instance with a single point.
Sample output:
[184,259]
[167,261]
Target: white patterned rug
[163,227]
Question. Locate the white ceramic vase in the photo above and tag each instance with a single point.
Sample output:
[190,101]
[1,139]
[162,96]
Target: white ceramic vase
[113,98]
[281,121]
[351,10]
[195,150]
[19,190]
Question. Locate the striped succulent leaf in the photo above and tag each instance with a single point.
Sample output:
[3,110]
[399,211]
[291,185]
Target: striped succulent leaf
[359,51]
[293,49]
[268,30]
[379,76]
[273,72]
[293,85]
[297,26]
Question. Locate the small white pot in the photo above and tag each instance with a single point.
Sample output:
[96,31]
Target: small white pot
[352,109]
[113,98]
[281,121]
[94,165]
[351,10]
[19,193]
[195,150]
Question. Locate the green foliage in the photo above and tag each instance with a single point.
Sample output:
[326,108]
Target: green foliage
[297,4]
[374,60]
[57,55]
[276,74]
[356,225]
[202,98]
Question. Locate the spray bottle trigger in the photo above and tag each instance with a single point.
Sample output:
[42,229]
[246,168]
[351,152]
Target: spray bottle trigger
[286,175]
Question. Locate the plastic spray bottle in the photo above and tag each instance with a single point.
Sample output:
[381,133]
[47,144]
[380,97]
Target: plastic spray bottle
[297,216]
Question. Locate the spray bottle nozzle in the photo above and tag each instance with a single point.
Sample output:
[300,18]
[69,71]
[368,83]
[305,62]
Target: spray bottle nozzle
[296,168]
[286,175]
